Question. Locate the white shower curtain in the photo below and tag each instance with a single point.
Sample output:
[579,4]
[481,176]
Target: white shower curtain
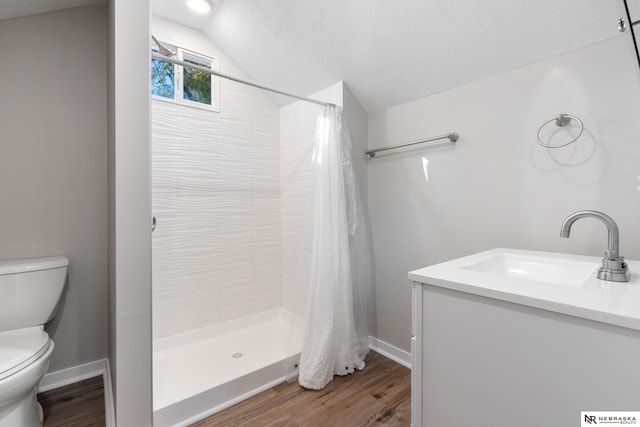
[335,341]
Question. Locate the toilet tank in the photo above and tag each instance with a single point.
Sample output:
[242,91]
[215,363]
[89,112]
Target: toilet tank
[30,290]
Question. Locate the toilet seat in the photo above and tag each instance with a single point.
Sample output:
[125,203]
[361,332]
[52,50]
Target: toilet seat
[20,348]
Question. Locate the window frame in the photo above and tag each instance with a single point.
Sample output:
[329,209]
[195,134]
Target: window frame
[178,80]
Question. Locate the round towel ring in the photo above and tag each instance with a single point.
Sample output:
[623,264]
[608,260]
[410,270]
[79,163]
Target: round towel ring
[561,120]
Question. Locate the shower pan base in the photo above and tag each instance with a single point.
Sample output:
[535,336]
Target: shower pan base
[201,372]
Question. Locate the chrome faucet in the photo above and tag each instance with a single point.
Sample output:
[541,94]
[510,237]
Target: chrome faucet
[613,267]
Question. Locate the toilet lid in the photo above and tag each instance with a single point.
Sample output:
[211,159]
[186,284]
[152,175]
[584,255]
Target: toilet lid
[20,347]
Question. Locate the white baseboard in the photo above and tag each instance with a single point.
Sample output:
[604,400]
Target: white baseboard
[391,352]
[71,375]
[53,380]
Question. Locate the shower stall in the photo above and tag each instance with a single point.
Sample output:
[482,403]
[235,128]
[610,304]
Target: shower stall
[231,250]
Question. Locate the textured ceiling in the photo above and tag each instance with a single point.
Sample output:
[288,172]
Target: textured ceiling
[10,9]
[390,52]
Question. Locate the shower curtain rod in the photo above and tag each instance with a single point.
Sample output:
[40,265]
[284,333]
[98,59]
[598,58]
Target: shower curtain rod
[160,57]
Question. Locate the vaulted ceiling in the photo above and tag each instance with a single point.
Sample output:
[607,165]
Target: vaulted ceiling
[388,52]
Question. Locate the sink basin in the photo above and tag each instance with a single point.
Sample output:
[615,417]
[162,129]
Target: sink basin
[561,283]
[539,269]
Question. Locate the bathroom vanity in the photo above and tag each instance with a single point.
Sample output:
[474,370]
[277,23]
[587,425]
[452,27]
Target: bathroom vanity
[520,338]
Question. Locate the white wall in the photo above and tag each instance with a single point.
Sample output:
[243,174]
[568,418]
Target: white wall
[357,120]
[496,187]
[216,196]
[129,211]
[53,165]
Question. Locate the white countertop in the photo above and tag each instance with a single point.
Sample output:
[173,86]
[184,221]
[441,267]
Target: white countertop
[615,303]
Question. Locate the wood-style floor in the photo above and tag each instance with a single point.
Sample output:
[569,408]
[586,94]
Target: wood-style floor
[379,395]
[76,405]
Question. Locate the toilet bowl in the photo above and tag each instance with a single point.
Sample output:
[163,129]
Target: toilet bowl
[24,359]
[30,292]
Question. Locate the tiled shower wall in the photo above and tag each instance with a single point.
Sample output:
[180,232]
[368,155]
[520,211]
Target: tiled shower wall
[231,193]
[216,196]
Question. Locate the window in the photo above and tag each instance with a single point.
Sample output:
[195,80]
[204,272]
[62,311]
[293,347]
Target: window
[184,85]
[163,77]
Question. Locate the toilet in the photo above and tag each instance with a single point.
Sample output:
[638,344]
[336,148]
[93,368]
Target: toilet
[29,293]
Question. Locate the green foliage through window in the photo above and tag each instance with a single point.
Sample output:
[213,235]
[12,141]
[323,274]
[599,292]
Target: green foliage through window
[183,84]
[197,84]
[162,79]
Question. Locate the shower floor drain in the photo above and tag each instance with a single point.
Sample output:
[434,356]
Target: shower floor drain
[237,355]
